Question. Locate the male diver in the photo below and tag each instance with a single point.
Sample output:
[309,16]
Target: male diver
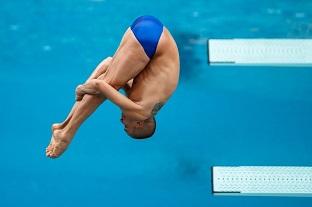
[146,65]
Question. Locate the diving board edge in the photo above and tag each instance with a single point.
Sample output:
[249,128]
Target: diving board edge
[260,52]
[286,181]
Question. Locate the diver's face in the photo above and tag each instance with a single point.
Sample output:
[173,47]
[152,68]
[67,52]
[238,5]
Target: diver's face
[129,124]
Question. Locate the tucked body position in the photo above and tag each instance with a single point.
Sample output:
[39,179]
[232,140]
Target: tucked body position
[146,65]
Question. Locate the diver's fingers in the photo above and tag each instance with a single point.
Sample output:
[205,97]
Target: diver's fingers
[86,90]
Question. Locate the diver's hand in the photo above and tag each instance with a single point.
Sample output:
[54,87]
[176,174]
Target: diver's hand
[87,88]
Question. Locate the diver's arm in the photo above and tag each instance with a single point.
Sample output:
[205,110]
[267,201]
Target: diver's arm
[93,86]
[98,71]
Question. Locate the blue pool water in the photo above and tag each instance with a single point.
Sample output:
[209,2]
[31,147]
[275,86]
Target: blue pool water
[218,116]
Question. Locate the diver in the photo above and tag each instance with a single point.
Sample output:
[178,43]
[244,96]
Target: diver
[146,65]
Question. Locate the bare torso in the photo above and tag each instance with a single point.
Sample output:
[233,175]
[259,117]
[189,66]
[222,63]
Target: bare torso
[154,84]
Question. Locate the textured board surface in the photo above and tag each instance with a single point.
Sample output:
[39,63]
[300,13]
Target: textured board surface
[267,52]
[256,180]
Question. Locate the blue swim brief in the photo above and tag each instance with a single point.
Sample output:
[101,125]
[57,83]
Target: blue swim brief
[147,30]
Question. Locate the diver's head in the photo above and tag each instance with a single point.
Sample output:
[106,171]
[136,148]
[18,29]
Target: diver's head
[139,129]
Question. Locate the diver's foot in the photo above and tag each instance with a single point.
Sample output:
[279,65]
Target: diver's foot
[56,126]
[59,142]
[63,124]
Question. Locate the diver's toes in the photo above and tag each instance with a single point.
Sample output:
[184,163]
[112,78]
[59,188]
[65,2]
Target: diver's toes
[48,149]
[55,152]
[53,155]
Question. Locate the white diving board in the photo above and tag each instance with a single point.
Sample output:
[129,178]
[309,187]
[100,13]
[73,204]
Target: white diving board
[262,181]
[260,52]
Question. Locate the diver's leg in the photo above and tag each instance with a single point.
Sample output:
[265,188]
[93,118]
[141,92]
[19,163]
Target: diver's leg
[123,62]
[99,70]
[129,60]
[62,137]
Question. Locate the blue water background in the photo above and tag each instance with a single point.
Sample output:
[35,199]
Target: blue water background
[218,116]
